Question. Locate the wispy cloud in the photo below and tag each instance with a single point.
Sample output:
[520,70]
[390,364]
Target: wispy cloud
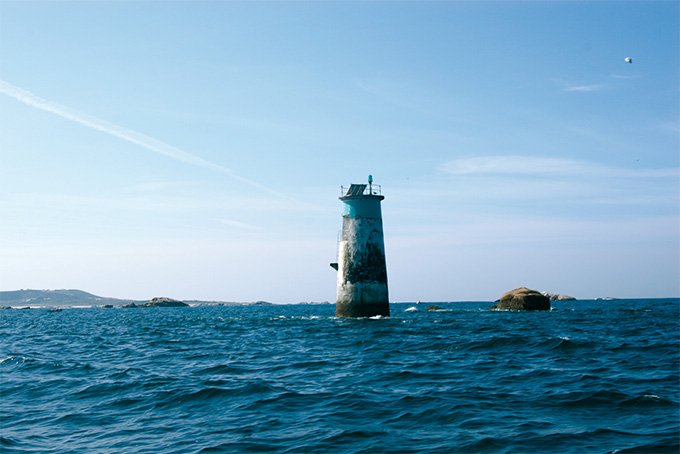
[142,140]
[239,225]
[156,186]
[626,76]
[584,88]
[527,165]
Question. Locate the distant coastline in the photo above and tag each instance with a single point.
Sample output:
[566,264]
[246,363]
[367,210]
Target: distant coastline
[30,298]
[63,298]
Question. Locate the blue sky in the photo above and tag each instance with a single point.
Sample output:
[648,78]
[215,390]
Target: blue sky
[196,149]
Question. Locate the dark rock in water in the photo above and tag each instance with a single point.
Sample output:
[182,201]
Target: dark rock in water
[433,307]
[558,297]
[523,299]
[129,305]
[165,302]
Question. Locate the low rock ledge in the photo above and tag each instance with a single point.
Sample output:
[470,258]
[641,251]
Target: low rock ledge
[558,297]
[159,302]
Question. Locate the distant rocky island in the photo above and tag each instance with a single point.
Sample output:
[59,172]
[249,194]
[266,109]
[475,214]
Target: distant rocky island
[558,297]
[79,298]
[158,302]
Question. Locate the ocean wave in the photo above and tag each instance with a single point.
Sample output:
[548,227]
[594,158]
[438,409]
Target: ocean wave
[649,400]
[221,379]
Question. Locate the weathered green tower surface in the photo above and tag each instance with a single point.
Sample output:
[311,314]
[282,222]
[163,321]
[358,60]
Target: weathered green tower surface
[362,271]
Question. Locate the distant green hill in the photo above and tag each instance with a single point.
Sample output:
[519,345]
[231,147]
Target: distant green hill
[65,297]
[23,298]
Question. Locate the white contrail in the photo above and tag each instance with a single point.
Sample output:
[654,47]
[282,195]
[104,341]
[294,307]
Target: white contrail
[131,136]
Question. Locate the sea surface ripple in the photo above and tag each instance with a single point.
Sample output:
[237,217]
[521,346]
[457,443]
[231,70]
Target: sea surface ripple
[588,376]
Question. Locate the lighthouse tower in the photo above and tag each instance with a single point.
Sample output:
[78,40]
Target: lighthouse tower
[362,273]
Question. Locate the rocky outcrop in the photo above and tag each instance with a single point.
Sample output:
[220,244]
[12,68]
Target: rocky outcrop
[129,305]
[159,302]
[433,307]
[523,299]
[165,302]
[558,297]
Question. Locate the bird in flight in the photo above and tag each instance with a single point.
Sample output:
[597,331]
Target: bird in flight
[629,60]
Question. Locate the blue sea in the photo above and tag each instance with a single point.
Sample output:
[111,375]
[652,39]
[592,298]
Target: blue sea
[586,377]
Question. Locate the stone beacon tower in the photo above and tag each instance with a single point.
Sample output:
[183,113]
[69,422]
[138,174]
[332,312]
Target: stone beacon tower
[362,272]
